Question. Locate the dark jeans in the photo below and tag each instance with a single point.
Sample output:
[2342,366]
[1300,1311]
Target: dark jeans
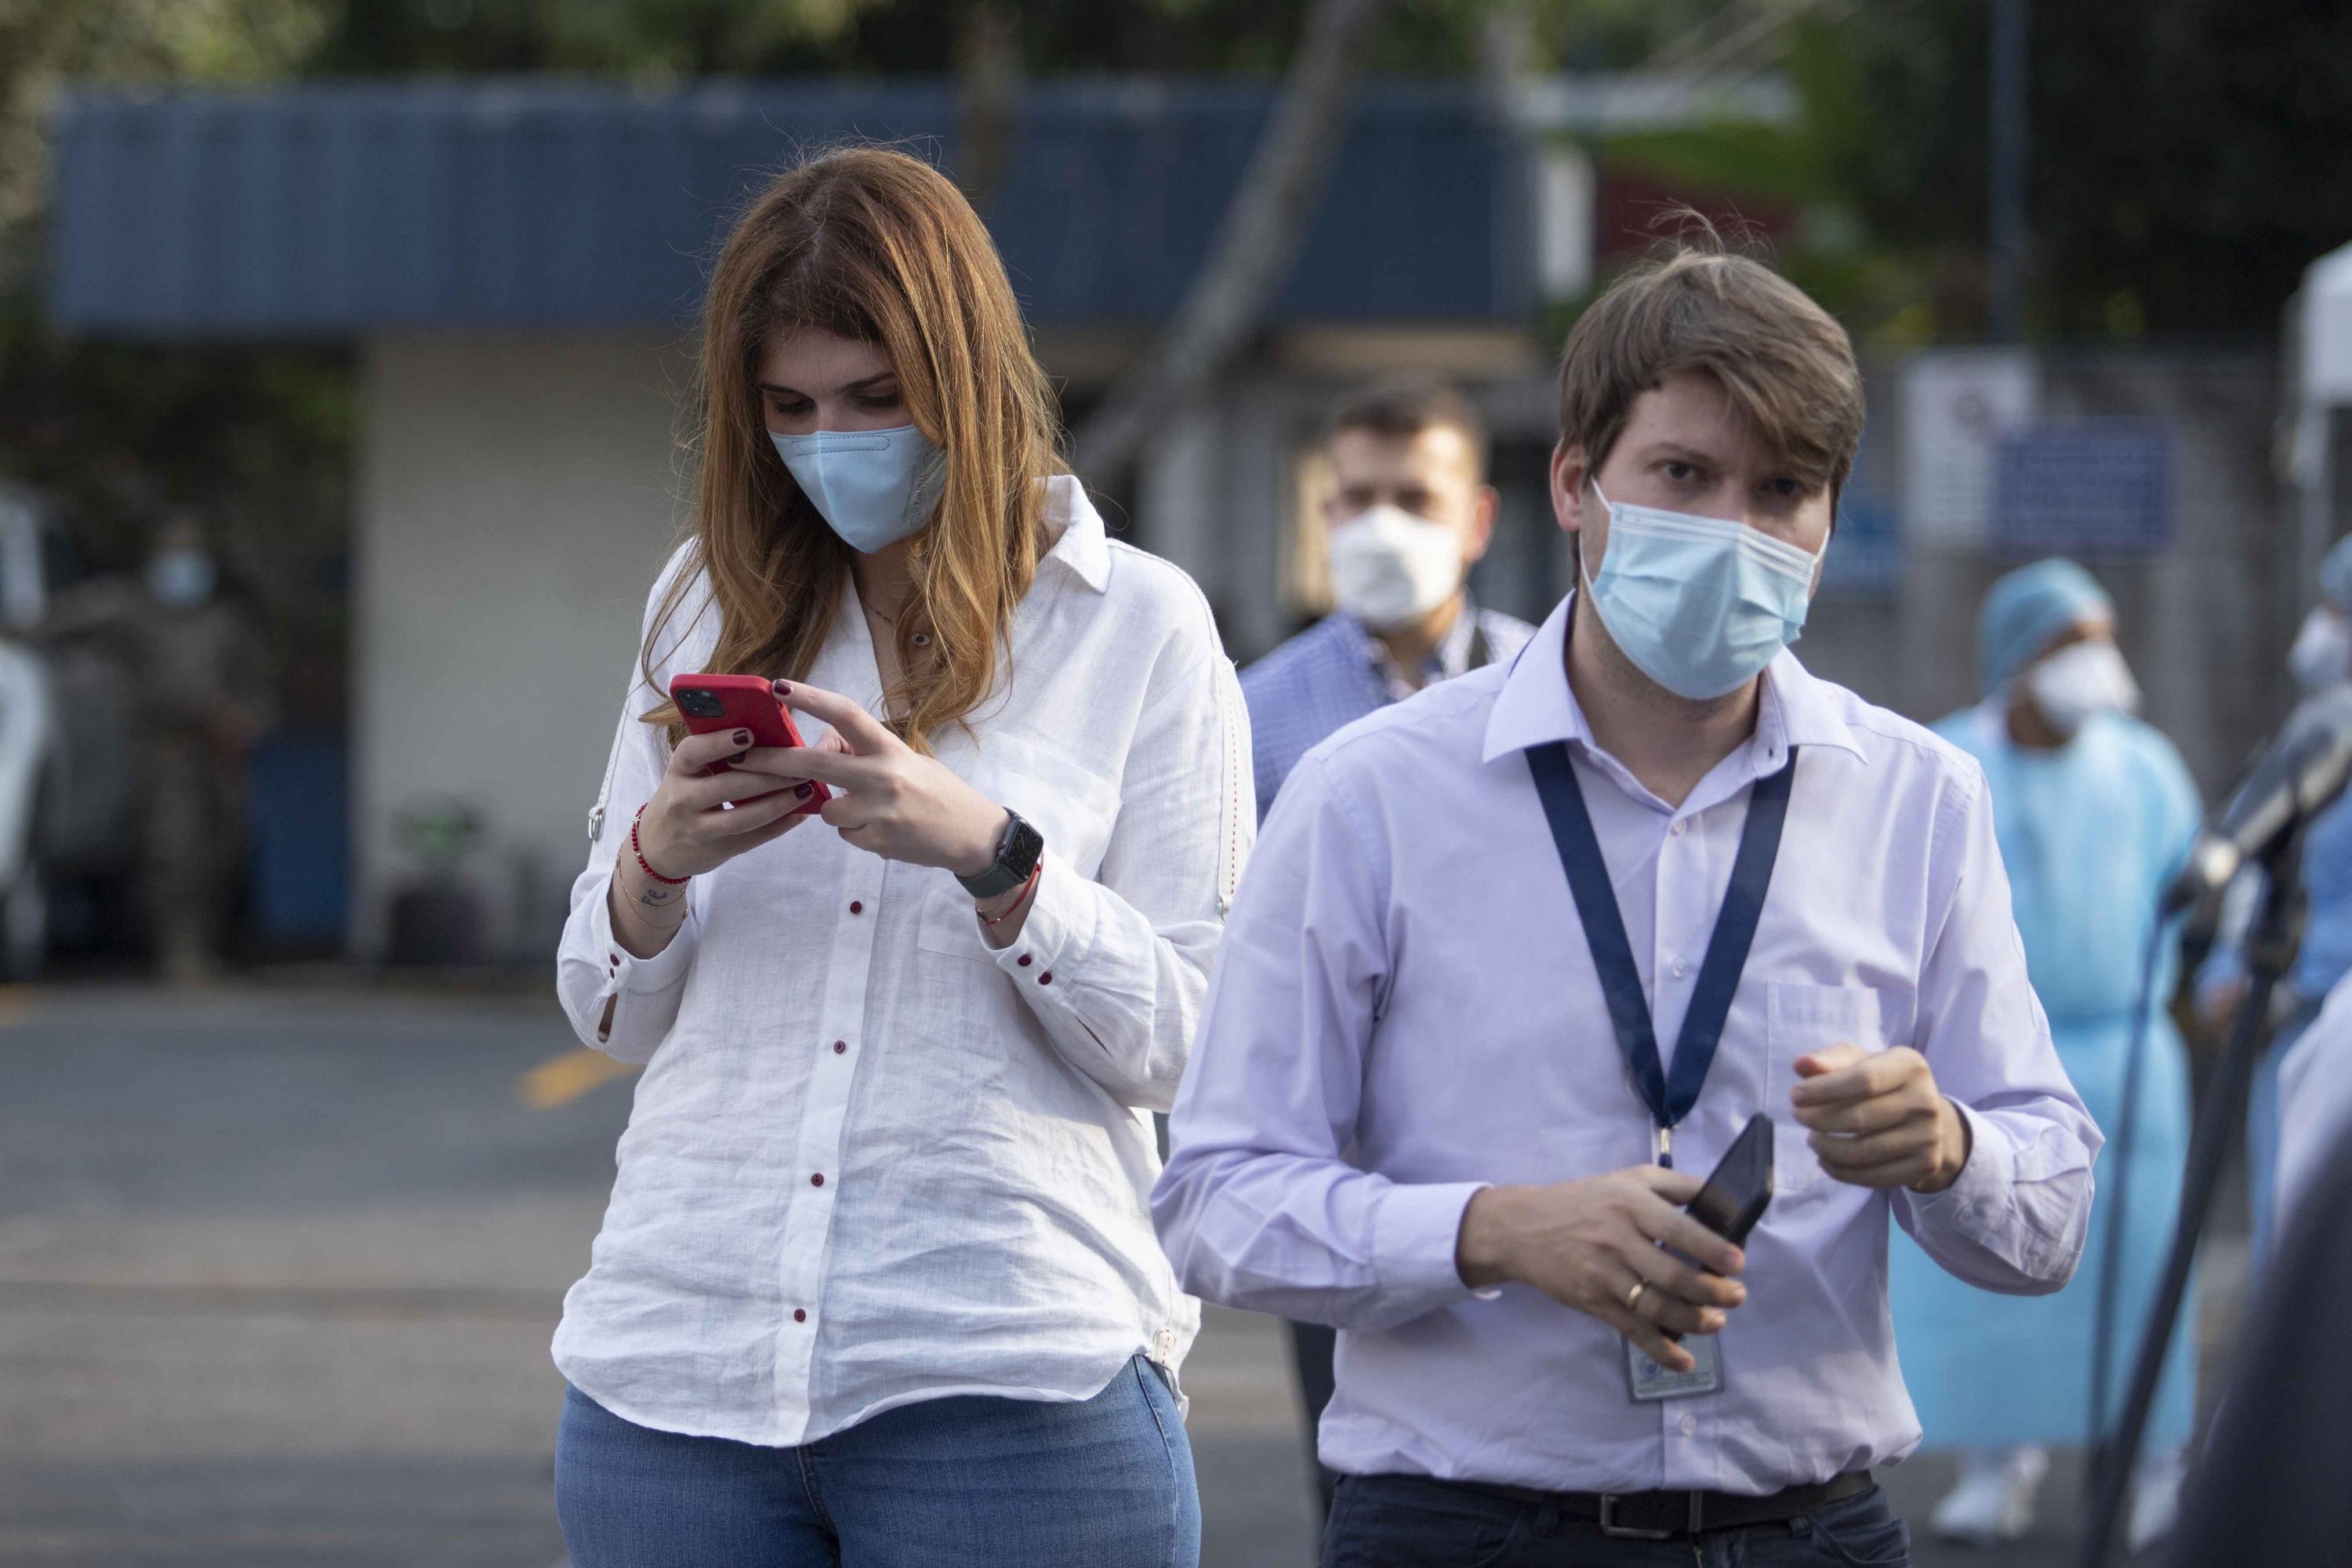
[1410,1521]
[960,1482]
[1311,1346]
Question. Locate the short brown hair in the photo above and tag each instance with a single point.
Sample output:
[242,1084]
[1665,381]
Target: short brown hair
[1400,410]
[1782,359]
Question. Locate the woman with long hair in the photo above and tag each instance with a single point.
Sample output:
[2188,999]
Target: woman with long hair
[878,1284]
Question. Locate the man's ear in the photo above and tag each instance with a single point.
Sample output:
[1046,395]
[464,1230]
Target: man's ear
[1568,475]
[1485,505]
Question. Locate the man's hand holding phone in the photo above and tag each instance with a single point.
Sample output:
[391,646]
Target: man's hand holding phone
[1589,1244]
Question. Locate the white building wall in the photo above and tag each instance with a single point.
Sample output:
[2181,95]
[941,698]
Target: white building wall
[517,496]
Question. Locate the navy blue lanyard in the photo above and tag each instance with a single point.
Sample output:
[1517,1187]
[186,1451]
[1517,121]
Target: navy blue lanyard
[1669,1098]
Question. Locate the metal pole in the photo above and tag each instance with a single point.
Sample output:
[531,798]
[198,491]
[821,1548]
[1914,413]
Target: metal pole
[2006,223]
[2269,954]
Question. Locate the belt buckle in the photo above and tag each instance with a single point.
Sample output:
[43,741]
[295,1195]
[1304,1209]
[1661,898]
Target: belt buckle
[1613,1531]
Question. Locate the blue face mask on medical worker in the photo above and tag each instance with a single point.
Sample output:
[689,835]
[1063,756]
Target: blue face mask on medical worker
[1698,604]
[874,488]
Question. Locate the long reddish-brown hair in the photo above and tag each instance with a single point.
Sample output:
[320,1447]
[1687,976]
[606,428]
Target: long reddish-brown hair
[869,244]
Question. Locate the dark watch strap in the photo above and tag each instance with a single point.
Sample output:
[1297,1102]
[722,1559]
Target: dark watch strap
[1016,856]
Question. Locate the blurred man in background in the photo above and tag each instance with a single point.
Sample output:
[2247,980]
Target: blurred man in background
[2094,811]
[202,692]
[1408,513]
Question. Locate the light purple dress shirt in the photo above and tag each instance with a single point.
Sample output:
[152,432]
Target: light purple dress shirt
[1405,1009]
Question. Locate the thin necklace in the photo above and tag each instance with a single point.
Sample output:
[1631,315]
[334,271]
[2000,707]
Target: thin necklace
[920,639]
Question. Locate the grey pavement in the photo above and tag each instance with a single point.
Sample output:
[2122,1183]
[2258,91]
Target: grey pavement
[278,1272]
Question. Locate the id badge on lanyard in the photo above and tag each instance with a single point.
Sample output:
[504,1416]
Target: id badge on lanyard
[1669,1098]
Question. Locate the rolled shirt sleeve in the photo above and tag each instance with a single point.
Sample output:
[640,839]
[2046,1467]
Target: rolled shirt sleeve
[2015,1220]
[1257,1207]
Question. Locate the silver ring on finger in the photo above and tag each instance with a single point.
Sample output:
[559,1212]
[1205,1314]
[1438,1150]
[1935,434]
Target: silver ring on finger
[1634,1297]
[726,806]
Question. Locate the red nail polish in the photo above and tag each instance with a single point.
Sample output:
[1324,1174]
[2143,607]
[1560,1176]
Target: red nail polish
[783,689]
[742,736]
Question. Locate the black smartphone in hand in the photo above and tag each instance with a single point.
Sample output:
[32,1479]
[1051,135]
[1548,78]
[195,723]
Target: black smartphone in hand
[1740,1188]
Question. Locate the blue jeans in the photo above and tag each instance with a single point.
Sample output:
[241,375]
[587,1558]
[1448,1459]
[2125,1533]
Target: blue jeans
[1409,1522]
[972,1481]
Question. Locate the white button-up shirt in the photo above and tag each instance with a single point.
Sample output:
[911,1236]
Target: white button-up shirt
[872,1160]
[1405,1009]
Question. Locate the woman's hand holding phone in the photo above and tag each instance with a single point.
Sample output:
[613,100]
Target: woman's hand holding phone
[900,805]
[696,824]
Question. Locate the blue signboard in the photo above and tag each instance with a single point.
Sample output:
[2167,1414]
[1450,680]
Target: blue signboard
[2087,486]
[1866,553]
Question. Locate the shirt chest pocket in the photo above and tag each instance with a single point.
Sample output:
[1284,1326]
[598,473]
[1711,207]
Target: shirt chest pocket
[1071,808]
[1801,1019]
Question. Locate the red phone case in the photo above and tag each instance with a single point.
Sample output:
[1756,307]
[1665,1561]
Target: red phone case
[751,703]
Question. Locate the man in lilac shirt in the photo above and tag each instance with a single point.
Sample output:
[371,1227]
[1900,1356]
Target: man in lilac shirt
[1436,1093]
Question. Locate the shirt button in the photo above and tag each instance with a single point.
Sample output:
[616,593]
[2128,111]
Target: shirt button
[1689,1425]
[839,1047]
[1680,969]
[817,1180]
[857,908]
[1677,829]
[1023,961]
[800,1315]
[1046,978]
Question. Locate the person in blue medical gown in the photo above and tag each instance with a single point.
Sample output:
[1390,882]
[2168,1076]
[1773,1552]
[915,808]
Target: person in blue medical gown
[2094,811]
[2321,662]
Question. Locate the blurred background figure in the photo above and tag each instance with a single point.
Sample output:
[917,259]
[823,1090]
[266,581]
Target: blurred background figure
[2094,811]
[1409,512]
[2320,661]
[2269,1487]
[201,698]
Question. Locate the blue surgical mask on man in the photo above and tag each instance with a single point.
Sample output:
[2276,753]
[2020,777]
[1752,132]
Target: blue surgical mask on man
[1700,604]
[874,488]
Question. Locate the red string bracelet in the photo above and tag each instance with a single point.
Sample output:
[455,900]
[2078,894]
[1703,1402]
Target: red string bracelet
[1027,888]
[637,850]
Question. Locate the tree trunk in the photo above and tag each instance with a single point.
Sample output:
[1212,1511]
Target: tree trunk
[1262,230]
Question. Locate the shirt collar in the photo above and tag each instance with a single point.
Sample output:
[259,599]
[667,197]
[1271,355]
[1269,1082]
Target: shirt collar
[1535,704]
[1080,544]
[1449,659]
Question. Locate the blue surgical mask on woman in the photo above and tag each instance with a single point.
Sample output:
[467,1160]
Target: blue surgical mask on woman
[1700,604]
[874,488]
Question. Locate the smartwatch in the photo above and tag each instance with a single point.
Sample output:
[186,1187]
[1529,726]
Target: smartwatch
[1016,856]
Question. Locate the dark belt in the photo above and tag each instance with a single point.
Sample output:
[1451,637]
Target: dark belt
[1669,1516]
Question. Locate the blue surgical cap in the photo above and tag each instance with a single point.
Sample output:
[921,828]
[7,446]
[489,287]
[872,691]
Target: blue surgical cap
[2025,613]
[2335,574]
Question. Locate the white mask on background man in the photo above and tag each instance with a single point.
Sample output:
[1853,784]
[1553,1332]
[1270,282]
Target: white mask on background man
[2321,658]
[1389,568]
[2080,680]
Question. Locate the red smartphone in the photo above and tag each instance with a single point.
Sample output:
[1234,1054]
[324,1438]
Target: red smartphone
[715,702]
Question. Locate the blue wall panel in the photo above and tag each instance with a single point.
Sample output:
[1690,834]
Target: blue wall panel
[335,211]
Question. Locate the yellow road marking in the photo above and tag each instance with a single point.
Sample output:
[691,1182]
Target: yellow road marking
[560,1081]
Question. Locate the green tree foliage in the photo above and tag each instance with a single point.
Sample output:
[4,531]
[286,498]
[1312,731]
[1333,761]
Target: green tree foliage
[2188,156]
